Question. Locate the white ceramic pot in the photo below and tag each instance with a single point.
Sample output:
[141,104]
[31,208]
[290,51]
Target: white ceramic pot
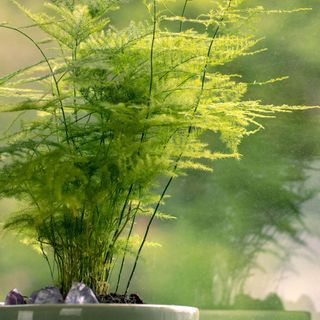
[98,312]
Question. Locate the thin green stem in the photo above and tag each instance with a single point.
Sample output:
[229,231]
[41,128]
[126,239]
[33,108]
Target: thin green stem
[147,232]
[152,48]
[151,78]
[46,258]
[126,248]
[182,14]
[74,60]
[51,71]
[177,161]
[151,62]
[205,69]
[119,229]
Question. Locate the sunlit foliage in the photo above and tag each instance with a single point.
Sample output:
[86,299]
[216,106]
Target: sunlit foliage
[111,111]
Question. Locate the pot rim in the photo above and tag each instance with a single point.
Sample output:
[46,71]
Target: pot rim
[106,305]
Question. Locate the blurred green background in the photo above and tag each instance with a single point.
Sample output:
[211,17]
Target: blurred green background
[251,228]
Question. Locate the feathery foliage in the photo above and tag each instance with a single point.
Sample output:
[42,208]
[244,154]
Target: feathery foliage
[109,113]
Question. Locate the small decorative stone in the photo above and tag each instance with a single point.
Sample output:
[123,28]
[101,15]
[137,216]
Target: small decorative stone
[80,294]
[14,297]
[47,295]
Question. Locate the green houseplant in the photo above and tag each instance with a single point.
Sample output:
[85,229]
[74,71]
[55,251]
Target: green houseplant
[110,114]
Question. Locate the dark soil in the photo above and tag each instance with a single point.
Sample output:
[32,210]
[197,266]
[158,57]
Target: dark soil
[120,298]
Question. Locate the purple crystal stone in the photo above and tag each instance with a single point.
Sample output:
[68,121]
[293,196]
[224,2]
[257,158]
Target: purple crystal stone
[80,294]
[47,295]
[14,297]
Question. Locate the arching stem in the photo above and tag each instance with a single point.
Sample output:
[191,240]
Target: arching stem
[179,157]
[182,14]
[52,73]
